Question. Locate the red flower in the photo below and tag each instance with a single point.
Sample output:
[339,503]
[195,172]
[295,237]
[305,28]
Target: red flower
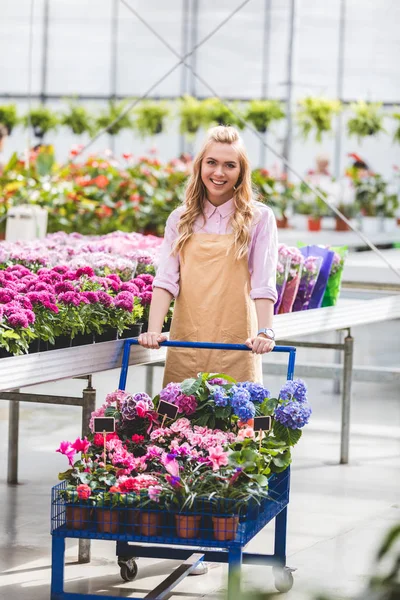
[101,181]
[84,491]
[127,155]
[98,439]
[114,489]
[136,439]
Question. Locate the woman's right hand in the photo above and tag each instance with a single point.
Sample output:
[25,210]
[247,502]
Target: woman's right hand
[151,339]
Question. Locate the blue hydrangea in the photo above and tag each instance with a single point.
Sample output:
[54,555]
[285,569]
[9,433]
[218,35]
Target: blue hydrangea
[245,411]
[293,414]
[220,396]
[258,392]
[287,390]
[239,396]
[300,392]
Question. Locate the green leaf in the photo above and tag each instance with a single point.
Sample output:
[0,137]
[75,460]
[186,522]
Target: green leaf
[268,406]
[289,436]
[85,477]
[65,475]
[189,387]
[260,479]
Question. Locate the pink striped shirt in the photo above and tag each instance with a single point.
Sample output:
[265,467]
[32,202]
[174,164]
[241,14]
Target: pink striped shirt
[262,255]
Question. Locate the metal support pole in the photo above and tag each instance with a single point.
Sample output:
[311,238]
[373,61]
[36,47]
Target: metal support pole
[88,406]
[13,438]
[45,47]
[149,380]
[184,50]
[265,68]
[287,146]
[193,42]
[339,87]
[346,399]
[337,360]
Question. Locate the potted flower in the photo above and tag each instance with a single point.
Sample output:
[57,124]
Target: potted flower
[261,113]
[192,115]
[42,120]
[77,118]
[150,117]
[367,119]
[217,113]
[315,114]
[8,116]
[107,117]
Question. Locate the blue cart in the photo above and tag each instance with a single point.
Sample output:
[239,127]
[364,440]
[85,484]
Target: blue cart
[161,541]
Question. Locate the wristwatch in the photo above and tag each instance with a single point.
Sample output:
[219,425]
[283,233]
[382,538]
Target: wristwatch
[270,333]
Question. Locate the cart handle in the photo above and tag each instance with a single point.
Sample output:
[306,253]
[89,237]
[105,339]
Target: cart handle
[291,350]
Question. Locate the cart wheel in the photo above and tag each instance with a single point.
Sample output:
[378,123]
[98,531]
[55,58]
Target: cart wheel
[283,579]
[128,570]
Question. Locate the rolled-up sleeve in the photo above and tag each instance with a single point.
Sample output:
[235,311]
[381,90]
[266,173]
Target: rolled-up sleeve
[263,257]
[167,275]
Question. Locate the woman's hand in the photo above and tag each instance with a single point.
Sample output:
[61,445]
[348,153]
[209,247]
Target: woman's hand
[151,340]
[260,344]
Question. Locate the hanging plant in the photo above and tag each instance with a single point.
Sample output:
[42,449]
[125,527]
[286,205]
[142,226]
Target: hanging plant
[8,116]
[150,117]
[396,135]
[42,120]
[77,119]
[192,114]
[217,113]
[261,113]
[315,114]
[367,120]
[113,112]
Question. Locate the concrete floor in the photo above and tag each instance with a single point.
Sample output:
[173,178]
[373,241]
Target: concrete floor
[337,514]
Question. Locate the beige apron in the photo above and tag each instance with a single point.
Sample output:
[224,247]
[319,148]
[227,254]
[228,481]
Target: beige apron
[213,305]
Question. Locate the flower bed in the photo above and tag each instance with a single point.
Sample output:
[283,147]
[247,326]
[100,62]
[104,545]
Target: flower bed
[201,475]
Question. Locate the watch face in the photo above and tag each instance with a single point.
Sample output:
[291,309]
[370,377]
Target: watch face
[270,333]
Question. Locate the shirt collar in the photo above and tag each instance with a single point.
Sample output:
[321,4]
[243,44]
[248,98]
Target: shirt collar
[224,210]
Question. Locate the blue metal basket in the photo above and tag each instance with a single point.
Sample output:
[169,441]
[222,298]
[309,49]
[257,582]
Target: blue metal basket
[173,532]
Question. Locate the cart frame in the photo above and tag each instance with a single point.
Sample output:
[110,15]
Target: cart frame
[229,552]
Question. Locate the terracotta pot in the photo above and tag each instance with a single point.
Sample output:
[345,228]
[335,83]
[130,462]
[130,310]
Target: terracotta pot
[187,526]
[341,225]
[77,517]
[107,520]
[147,523]
[225,528]
[282,223]
[314,223]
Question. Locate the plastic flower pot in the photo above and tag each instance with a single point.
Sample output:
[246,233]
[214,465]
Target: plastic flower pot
[282,223]
[5,354]
[187,526]
[341,225]
[225,528]
[147,523]
[109,335]
[132,332]
[62,341]
[82,339]
[314,223]
[78,517]
[107,520]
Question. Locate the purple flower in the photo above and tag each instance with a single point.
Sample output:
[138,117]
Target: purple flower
[6,295]
[145,297]
[129,286]
[105,298]
[187,405]
[239,396]
[18,319]
[287,391]
[70,298]
[217,381]
[92,297]
[64,286]
[60,269]
[147,278]
[125,300]
[258,393]
[245,411]
[170,392]
[300,391]
[140,284]
[84,271]
[293,414]
[220,397]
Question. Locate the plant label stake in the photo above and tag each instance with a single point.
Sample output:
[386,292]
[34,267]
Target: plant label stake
[167,410]
[104,425]
[262,424]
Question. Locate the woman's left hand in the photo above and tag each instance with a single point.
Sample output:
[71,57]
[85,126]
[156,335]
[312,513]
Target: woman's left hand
[260,344]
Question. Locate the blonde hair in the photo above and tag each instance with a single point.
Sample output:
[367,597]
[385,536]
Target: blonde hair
[241,219]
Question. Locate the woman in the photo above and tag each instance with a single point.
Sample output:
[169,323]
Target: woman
[218,260]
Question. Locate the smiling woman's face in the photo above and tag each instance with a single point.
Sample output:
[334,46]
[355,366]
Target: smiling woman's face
[220,170]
